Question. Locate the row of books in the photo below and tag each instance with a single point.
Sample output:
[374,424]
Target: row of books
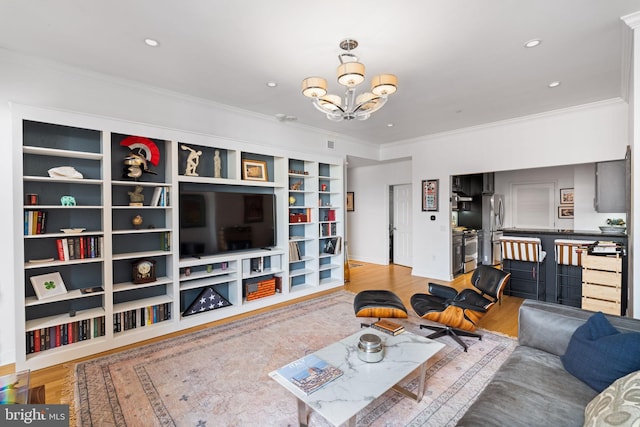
[328,229]
[295,254]
[34,222]
[160,197]
[132,319]
[165,241]
[79,247]
[68,333]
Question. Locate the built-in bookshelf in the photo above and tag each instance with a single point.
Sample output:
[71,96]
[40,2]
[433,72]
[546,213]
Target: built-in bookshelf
[98,230]
[303,211]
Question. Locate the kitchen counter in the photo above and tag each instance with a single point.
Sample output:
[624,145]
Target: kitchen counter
[591,233]
[550,268]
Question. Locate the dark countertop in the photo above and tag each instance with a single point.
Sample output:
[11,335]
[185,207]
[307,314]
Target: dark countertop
[593,233]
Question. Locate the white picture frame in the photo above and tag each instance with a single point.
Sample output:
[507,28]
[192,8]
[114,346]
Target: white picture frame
[48,285]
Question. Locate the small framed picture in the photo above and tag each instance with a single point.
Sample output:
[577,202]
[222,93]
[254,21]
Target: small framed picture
[430,195]
[48,285]
[254,170]
[350,202]
[565,211]
[566,196]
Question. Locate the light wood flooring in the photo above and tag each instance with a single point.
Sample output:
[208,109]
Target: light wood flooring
[502,318]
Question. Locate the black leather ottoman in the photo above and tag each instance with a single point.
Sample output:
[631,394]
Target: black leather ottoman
[379,303]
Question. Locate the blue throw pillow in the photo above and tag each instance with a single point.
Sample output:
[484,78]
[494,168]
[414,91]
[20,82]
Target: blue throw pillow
[598,354]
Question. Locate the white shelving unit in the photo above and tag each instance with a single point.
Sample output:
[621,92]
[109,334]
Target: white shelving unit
[118,311]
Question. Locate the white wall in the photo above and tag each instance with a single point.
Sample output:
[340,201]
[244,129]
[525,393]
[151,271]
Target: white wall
[368,224]
[35,82]
[586,134]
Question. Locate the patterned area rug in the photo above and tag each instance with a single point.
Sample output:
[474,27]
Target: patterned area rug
[219,376]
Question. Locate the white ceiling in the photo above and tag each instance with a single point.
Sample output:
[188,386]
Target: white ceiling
[459,62]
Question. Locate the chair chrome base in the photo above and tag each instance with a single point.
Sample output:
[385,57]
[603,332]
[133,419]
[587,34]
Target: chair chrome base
[452,332]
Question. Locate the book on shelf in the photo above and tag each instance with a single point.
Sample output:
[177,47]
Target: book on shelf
[388,326]
[294,252]
[34,222]
[160,197]
[309,373]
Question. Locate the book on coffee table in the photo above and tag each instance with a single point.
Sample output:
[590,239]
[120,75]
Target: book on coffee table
[309,373]
[388,327]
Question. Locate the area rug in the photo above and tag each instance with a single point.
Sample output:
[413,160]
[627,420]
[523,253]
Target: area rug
[219,376]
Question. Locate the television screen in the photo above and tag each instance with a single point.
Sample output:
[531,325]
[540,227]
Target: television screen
[213,222]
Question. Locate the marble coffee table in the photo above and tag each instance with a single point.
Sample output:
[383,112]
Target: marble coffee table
[361,383]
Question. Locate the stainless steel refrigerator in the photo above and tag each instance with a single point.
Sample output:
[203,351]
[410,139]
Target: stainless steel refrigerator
[492,223]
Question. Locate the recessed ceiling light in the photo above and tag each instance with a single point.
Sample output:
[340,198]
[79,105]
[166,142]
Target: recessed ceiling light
[389,125]
[151,42]
[272,84]
[554,84]
[533,43]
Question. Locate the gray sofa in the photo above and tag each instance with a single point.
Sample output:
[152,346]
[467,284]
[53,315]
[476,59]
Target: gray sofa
[532,388]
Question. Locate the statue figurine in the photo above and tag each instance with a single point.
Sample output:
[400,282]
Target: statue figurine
[216,165]
[136,198]
[192,161]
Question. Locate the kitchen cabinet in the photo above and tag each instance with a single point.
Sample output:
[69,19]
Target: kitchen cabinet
[611,179]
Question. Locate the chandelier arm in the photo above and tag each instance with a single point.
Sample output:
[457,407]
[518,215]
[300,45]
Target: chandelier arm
[316,103]
[380,101]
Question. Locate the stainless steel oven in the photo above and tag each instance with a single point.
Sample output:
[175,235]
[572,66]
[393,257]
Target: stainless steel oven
[470,250]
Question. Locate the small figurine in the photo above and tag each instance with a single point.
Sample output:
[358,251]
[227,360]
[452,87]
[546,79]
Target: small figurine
[192,161]
[137,221]
[217,168]
[136,198]
[68,201]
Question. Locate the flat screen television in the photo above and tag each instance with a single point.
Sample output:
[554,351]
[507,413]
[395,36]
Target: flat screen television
[214,222]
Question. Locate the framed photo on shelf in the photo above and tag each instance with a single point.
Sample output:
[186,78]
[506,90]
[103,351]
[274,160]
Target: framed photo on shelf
[350,202]
[48,285]
[254,170]
[565,211]
[430,195]
[566,196]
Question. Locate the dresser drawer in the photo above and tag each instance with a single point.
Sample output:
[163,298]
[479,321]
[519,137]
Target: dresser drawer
[608,293]
[608,307]
[605,278]
[608,263]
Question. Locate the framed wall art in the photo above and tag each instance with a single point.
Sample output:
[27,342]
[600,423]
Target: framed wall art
[565,211]
[566,196]
[254,170]
[430,195]
[350,202]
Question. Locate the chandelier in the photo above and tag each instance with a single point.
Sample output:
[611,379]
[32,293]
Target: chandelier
[350,74]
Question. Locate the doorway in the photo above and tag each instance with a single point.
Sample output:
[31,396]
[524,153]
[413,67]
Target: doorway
[400,225]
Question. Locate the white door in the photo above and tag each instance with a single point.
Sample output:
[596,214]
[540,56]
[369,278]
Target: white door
[402,229]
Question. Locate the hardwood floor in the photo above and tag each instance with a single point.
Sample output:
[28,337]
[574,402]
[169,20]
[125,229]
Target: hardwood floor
[503,318]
